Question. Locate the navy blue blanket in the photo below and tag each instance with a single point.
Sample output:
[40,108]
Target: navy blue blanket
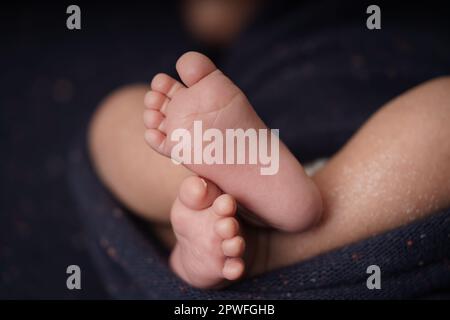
[414,259]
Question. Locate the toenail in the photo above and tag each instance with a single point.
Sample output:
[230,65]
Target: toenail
[204,182]
[149,99]
[200,191]
[195,189]
[161,126]
[164,106]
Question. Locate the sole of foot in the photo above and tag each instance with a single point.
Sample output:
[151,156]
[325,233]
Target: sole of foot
[288,200]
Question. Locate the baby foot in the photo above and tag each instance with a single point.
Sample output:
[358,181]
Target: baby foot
[287,200]
[209,247]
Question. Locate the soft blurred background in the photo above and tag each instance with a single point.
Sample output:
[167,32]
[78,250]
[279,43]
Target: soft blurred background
[51,79]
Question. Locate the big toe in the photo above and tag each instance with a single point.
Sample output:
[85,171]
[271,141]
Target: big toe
[197,193]
[193,66]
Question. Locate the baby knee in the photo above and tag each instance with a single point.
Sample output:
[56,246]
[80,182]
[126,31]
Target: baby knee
[437,92]
[425,105]
[117,114]
[434,100]
[115,128]
[441,81]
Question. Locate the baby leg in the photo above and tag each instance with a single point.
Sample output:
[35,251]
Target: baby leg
[394,170]
[139,177]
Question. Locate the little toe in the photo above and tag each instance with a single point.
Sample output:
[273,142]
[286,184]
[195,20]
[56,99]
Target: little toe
[197,193]
[194,66]
[227,228]
[154,100]
[225,205]
[233,247]
[153,119]
[233,268]
[166,85]
[155,139]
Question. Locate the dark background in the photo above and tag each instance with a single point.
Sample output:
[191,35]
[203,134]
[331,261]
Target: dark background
[51,79]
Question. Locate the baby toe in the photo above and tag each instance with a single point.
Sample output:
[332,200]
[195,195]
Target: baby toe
[233,268]
[154,100]
[194,66]
[225,205]
[197,193]
[153,119]
[227,228]
[155,138]
[165,84]
[233,247]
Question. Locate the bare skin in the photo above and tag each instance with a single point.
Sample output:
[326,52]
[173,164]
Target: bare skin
[209,97]
[209,248]
[394,170]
